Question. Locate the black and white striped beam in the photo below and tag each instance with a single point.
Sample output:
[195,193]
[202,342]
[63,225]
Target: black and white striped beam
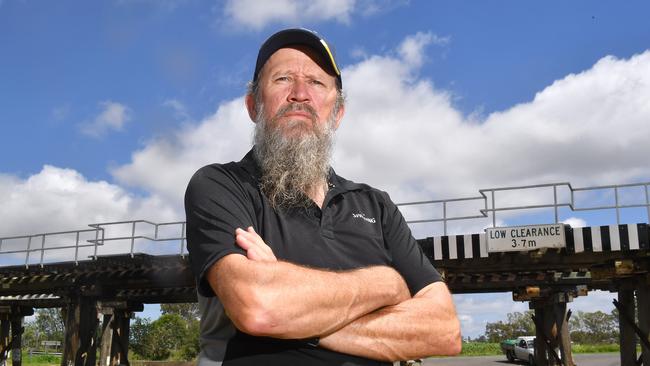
[608,238]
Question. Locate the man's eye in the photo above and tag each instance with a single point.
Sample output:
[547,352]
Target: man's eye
[317,82]
[282,78]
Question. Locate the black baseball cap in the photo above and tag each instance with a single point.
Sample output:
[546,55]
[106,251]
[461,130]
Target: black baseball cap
[299,36]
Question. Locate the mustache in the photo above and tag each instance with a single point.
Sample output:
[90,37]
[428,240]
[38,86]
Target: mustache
[295,107]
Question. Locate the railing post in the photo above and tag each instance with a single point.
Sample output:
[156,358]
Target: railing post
[155,235]
[76,250]
[494,211]
[132,237]
[555,202]
[182,237]
[647,202]
[29,246]
[96,240]
[42,249]
[618,215]
[444,218]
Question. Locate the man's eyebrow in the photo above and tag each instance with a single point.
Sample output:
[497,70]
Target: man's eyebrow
[309,75]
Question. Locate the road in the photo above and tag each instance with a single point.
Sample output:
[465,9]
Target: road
[593,359]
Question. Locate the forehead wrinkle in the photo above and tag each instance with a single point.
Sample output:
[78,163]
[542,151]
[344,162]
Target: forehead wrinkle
[319,70]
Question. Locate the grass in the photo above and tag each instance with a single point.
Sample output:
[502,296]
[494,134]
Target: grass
[480,349]
[488,349]
[40,360]
[469,349]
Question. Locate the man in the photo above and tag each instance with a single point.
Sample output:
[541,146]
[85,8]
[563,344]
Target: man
[296,265]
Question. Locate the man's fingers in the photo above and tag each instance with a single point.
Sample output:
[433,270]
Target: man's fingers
[243,240]
[256,248]
[260,242]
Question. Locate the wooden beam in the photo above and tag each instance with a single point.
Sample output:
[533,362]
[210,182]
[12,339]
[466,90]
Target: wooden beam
[564,338]
[5,327]
[16,339]
[107,337]
[80,327]
[643,313]
[627,337]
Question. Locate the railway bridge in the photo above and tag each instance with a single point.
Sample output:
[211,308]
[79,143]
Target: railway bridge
[509,239]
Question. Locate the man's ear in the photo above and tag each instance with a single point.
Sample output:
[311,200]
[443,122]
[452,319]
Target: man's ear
[339,116]
[250,106]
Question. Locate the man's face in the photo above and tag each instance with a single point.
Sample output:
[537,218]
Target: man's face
[297,94]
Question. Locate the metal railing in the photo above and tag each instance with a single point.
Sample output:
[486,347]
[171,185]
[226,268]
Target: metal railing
[131,231]
[48,242]
[489,205]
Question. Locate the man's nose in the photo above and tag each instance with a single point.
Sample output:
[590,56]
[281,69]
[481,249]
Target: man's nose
[299,92]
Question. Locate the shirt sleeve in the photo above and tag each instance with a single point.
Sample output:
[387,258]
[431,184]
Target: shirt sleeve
[407,256]
[216,203]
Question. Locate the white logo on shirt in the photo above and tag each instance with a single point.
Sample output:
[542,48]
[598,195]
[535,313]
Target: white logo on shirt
[363,217]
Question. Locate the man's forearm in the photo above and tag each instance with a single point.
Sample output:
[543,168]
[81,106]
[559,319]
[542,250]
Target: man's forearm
[285,300]
[419,327]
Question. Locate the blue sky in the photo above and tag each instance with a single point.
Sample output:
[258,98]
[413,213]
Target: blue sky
[107,107]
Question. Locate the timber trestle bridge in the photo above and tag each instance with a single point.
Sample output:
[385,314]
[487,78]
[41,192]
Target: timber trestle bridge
[103,274]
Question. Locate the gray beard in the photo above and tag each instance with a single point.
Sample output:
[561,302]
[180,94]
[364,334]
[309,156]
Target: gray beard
[293,165]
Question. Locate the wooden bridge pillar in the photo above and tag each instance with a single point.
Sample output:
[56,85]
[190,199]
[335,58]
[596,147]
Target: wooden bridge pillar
[643,314]
[16,339]
[81,322]
[11,332]
[5,328]
[552,330]
[541,323]
[115,333]
[627,337]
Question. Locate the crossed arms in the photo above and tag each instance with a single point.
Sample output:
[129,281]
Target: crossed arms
[367,312]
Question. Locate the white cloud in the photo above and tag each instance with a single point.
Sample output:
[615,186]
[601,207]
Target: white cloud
[405,136]
[112,117]
[476,310]
[575,222]
[165,166]
[57,199]
[412,48]
[180,111]
[587,128]
[400,134]
[258,14]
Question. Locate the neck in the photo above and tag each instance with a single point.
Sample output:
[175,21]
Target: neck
[317,193]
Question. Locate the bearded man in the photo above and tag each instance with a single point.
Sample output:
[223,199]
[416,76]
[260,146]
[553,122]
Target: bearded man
[296,265]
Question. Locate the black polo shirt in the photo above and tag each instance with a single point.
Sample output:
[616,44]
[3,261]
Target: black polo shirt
[358,226]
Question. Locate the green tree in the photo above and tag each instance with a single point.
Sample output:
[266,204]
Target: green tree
[191,346]
[596,327]
[31,335]
[517,324]
[188,311]
[140,340]
[47,326]
[168,331]
[171,336]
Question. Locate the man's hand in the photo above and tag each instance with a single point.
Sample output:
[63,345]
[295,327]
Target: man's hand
[425,325]
[267,297]
[255,247]
[401,331]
